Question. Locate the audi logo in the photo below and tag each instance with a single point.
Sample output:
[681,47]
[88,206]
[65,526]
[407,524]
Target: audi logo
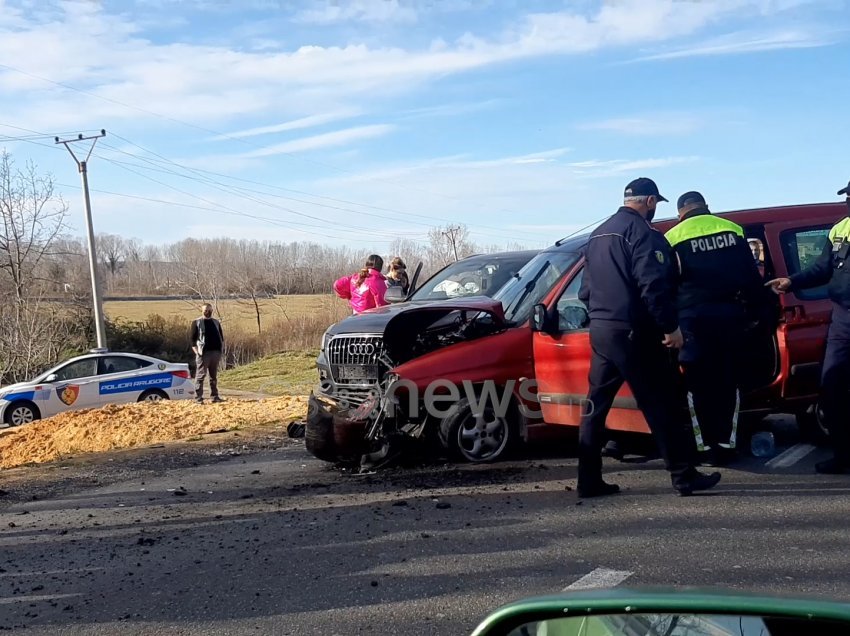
[361,349]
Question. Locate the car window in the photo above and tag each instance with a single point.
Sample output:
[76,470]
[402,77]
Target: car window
[121,364]
[476,276]
[801,248]
[77,370]
[532,283]
[570,308]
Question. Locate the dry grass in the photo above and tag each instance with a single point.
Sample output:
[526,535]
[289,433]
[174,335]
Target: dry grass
[234,314]
[290,373]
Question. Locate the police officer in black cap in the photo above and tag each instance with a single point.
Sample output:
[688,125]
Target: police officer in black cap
[628,288]
[719,294]
[832,267]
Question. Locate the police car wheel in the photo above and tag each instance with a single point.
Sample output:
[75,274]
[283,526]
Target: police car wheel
[22,413]
[154,395]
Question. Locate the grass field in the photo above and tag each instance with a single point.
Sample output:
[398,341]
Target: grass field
[233,313]
[290,373]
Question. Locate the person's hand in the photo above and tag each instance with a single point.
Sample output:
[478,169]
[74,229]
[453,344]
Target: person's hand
[195,350]
[674,340]
[779,285]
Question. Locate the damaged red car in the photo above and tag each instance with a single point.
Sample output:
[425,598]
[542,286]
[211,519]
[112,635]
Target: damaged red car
[481,374]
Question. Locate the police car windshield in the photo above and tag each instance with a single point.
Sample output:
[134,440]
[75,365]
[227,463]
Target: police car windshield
[532,283]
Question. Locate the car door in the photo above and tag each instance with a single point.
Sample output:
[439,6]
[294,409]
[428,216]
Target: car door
[119,376]
[805,313]
[75,387]
[562,363]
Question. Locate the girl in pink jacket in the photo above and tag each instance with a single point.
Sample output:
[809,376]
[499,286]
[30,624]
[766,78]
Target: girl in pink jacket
[365,289]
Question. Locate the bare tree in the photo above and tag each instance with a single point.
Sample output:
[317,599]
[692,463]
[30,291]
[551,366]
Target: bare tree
[32,217]
[111,253]
[449,243]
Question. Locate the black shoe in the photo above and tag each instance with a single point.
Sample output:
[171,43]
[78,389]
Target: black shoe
[833,467]
[600,489]
[199,400]
[216,400]
[699,481]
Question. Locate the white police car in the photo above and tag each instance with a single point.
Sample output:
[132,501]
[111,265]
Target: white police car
[94,380]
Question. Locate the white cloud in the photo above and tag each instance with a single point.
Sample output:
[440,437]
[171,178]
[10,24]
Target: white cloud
[651,124]
[296,124]
[83,46]
[738,43]
[359,11]
[336,138]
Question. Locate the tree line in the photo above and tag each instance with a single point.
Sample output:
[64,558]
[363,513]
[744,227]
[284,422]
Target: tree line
[45,287]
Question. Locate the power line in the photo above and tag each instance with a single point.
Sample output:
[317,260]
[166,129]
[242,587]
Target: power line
[226,136]
[275,187]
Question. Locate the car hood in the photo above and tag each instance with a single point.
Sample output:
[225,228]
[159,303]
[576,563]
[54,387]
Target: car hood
[376,320]
[403,328]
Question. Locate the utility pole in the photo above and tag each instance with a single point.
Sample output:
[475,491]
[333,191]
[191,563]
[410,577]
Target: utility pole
[95,285]
[451,234]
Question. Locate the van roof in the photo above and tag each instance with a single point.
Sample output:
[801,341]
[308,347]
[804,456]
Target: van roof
[776,214]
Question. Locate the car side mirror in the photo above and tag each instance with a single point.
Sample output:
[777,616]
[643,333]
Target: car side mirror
[625,612]
[541,320]
[395,294]
[51,378]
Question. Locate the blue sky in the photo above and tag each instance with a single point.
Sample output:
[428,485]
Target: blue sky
[356,122]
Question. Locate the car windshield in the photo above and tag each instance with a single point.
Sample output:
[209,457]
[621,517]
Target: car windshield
[533,282]
[474,276]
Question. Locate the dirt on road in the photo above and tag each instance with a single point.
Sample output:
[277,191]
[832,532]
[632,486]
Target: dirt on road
[128,426]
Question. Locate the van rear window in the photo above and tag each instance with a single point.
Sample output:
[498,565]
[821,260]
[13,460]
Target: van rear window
[801,248]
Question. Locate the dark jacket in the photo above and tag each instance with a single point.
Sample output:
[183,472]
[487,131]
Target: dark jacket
[831,266]
[628,278]
[717,273]
[206,335]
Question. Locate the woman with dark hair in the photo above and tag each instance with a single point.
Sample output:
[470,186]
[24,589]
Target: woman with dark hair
[397,274]
[364,289]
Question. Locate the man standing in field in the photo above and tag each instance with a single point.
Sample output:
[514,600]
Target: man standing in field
[207,341]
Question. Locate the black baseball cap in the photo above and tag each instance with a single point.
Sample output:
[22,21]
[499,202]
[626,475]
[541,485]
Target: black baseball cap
[643,187]
[845,190]
[689,198]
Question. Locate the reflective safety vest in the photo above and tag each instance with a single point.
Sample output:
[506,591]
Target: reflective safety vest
[716,266]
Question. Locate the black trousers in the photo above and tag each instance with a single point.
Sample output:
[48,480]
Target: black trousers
[713,360]
[835,383]
[650,370]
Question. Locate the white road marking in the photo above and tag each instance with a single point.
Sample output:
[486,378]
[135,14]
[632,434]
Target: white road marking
[24,599]
[790,456]
[600,577]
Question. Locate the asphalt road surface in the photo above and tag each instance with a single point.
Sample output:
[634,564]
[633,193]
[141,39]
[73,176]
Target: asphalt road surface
[279,543]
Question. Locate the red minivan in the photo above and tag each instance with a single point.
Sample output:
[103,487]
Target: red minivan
[528,347]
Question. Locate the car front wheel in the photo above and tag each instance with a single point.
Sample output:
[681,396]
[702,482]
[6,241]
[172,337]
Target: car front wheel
[812,426]
[22,413]
[483,437]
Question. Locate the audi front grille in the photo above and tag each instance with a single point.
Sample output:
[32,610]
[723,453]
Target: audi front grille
[356,355]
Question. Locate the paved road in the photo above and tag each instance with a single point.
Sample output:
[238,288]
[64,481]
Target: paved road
[280,543]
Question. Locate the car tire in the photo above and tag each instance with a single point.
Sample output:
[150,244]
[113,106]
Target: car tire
[153,395]
[488,438]
[20,413]
[811,425]
[319,432]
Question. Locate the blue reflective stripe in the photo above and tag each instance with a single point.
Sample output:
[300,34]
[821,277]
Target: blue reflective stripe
[158,381]
[24,395]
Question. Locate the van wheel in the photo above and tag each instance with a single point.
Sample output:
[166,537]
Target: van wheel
[486,437]
[812,426]
[21,413]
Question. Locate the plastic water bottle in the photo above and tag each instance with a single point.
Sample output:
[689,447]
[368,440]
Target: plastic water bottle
[763,444]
